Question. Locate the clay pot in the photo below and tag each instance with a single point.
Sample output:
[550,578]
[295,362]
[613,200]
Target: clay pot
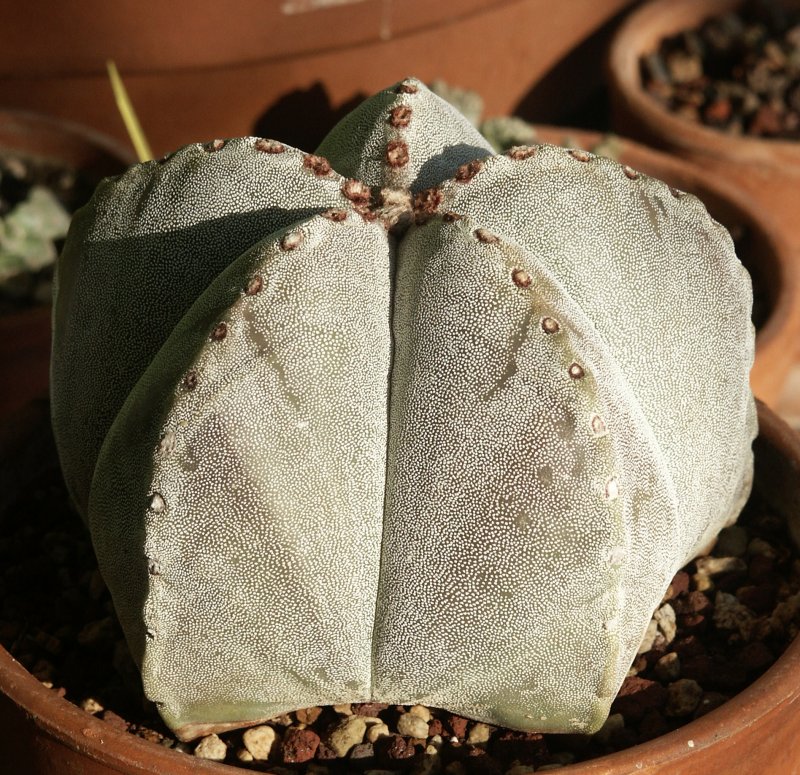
[755,733]
[25,335]
[767,170]
[198,69]
[765,249]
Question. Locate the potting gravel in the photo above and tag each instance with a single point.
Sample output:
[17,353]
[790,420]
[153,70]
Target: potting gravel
[723,621]
[739,72]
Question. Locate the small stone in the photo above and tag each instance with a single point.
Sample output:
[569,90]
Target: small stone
[346,734]
[369,708]
[244,756]
[361,752]
[345,709]
[411,725]
[732,542]
[457,724]
[668,667]
[259,741]
[683,697]
[758,546]
[430,763]
[284,720]
[299,745]
[421,711]
[612,725]
[91,705]
[715,566]
[730,614]
[211,747]
[308,715]
[479,734]
[397,748]
[758,598]
[649,637]
[376,731]
[665,617]
[703,582]
[637,695]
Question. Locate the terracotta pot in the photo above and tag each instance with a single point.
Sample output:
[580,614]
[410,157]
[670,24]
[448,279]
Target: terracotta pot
[767,170]
[765,250]
[755,733]
[198,69]
[25,335]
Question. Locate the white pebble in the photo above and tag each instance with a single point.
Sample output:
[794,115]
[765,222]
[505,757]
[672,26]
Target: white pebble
[480,733]
[211,747]
[376,731]
[346,734]
[259,741]
[410,725]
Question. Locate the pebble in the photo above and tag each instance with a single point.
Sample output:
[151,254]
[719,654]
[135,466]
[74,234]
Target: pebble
[732,541]
[259,741]
[668,667]
[683,697]
[612,724]
[430,762]
[421,711]
[211,747]
[730,614]
[760,546]
[649,637]
[346,734]
[376,731]
[411,725]
[308,715]
[480,733]
[91,705]
[714,566]
[299,745]
[361,752]
[346,709]
[243,755]
[665,617]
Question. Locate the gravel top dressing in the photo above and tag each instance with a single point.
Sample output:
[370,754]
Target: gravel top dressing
[739,73]
[723,621]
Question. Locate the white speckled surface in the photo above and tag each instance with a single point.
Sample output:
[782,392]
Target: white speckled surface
[457,465]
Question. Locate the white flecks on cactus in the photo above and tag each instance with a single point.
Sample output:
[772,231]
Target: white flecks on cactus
[398,420]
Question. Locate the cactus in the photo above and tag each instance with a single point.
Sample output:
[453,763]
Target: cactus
[400,420]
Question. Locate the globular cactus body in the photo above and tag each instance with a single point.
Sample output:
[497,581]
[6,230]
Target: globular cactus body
[439,431]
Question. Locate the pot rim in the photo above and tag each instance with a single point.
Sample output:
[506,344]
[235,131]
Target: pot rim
[640,34]
[72,142]
[98,740]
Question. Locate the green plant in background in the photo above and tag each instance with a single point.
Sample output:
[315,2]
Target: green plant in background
[28,233]
[401,420]
[505,132]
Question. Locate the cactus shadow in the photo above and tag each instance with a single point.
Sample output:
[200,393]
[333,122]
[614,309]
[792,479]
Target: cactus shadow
[315,110]
[443,165]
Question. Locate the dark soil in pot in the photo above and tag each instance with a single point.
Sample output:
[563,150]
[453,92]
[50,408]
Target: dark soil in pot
[724,620]
[738,72]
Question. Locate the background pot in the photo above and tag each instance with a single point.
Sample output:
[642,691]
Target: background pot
[198,69]
[25,335]
[765,248]
[767,170]
[757,732]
